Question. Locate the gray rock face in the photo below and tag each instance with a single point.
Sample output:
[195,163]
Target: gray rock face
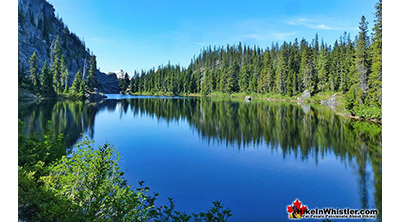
[26,95]
[306,94]
[331,101]
[108,83]
[38,29]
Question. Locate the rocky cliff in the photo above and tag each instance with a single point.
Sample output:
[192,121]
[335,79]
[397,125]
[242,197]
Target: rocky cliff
[38,29]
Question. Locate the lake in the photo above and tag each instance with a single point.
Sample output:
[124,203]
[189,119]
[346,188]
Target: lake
[256,158]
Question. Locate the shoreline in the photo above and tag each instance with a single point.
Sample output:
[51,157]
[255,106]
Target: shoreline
[316,100]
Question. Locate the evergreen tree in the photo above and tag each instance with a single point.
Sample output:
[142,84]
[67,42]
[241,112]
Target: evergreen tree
[375,78]
[47,81]
[347,65]
[362,56]
[91,80]
[65,80]
[262,85]
[64,75]
[58,65]
[33,70]
[255,73]
[359,81]
[306,69]
[234,74]
[56,49]
[132,87]
[335,72]
[282,71]
[77,84]
[124,83]
[322,66]
[206,84]
[355,97]
[294,69]
[244,77]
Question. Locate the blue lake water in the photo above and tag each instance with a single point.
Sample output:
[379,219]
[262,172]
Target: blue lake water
[256,158]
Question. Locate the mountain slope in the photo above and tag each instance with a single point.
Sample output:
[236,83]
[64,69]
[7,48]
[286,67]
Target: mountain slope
[38,28]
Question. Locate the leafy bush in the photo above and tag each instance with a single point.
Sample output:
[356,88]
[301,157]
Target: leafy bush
[88,185]
[46,148]
[368,112]
[92,182]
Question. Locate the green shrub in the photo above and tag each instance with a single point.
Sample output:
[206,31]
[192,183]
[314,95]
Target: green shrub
[368,112]
[88,185]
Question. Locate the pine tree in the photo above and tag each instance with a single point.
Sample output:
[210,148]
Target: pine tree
[362,56]
[282,70]
[234,74]
[33,70]
[56,49]
[322,66]
[206,84]
[265,82]
[361,65]
[47,81]
[291,83]
[57,67]
[335,74]
[306,69]
[65,80]
[91,80]
[124,82]
[132,87]
[347,65]
[244,77]
[355,97]
[375,78]
[255,73]
[77,84]
[294,68]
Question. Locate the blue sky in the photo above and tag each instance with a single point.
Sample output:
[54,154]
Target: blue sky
[134,35]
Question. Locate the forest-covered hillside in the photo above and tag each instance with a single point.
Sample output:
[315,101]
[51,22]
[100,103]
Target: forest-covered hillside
[352,68]
[41,32]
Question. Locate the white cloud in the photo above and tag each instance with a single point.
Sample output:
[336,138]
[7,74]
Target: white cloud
[297,21]
[318,24]
[252,36]
[324,27]
[282,35]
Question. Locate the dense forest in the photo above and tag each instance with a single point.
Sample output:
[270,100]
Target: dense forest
[350,68]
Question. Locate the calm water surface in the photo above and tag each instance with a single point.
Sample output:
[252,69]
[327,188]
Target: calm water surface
[255,157]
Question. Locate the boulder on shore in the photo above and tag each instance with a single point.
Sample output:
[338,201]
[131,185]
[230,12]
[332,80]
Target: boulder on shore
[306,95]
[331,101]
[95,97]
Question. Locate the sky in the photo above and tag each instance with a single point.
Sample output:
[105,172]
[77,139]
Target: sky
[142,34]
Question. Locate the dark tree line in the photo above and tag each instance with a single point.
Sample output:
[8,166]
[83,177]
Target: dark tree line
[352,68]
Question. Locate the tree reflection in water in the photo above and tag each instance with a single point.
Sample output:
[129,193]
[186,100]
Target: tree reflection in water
[301,130]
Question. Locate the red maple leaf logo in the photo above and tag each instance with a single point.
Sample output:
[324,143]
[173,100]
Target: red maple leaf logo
[296,210]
